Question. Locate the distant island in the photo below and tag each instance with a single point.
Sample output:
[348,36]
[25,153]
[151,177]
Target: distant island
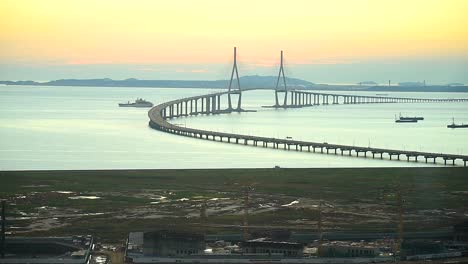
[252,81]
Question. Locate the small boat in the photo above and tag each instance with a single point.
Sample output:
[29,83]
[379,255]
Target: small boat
[405,120]
[453,125]
[411,118]
[138,103]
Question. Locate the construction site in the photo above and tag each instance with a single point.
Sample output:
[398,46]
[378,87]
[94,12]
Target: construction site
[262,218]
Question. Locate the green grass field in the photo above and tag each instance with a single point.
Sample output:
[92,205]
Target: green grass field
[433,198]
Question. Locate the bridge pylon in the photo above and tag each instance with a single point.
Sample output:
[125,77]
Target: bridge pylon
[284,89]
[235,91]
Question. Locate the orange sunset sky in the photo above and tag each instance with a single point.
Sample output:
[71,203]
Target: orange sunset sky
[155,39]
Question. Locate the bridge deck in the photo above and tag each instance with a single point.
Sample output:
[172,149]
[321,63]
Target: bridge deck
[158,120]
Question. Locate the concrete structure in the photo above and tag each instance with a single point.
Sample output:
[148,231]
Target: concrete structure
[262,246]
[172,244]
[211,104]
[421,247]
[254,251]
[47,250]
[231,91]
[285,88]
[346,250]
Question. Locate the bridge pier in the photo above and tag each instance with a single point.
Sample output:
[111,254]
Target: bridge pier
[208,105]
[211,104]
[448,158]
[202,105]
[343,150]
[428,157]
[359,151]
[332,149]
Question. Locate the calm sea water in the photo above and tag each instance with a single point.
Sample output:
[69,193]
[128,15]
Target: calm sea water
[83,128]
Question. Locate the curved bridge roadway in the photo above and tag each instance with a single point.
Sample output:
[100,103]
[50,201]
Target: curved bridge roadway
[211,104]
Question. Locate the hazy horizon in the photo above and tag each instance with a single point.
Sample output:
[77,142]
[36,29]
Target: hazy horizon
[435,72]
[324,42]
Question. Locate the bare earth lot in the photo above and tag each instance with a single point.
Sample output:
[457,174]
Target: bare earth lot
[109,204]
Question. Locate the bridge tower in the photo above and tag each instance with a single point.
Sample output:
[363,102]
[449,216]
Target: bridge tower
[284,89]
[238,90]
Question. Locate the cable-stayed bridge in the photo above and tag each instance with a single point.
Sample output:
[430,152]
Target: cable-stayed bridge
[212,104]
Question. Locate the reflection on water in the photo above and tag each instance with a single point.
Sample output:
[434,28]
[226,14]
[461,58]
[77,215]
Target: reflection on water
[83,128]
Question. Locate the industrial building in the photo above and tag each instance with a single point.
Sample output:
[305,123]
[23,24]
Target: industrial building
[47,250]
[348,249]
[264,246]
[172,243]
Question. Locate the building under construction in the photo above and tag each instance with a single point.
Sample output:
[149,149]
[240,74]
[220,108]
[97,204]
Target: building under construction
[46,250]
[43,250]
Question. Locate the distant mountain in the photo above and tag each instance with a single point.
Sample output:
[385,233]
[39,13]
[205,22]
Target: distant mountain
[254,81]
